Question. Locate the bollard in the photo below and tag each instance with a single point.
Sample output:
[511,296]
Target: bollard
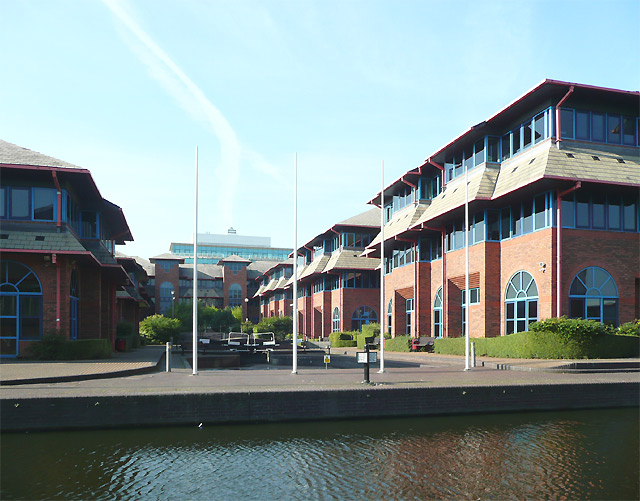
[366,365]
[473,354]
[168,357]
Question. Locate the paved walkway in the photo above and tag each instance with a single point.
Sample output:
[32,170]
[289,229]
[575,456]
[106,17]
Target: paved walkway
[143,372]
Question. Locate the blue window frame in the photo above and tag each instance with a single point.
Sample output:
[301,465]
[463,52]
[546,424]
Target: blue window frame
[235,295]
[593,295]
[437,314]
[20,307]
[389,316]
[167,297]
[521,302]
[408,315]
[600,211]
[335,324]
[363,315]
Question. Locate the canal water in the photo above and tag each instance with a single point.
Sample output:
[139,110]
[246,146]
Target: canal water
[568,455]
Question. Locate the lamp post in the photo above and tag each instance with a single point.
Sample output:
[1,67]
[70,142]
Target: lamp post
[173,303]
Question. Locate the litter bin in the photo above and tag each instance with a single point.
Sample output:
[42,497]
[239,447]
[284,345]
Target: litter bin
[121,344]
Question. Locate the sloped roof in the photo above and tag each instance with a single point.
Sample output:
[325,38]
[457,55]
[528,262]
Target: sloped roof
[370,217]
[400,222]
[16,237]
[12,154]
[349,260]
[316,266]
[234,259]
[167,256]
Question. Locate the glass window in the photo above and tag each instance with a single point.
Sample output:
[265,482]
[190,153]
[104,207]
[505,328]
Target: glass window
[89,220]
[598,206]
[527,134]
[336,320]
[457,164]
[568,215]
[363,316]
[3,202]
[582,209]
[566,123]
[521,302]
[527,217]
[630,213]
[448,168]
[613,129]
[44,200]
[409,315]
[493,225]
[493,153]
[613,212]
[478,228]
[515,141]
[479,152]
[539,208]
[437,314]
[506,146]
[582,125]
[597,127]
[19,208]
[538,128]
[505,223]
[629,131]
[593,295]
[468,159]
[516,220]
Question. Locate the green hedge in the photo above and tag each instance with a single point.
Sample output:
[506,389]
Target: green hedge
[368,330]
[541,344]
[398,343]
[58,347]
[343,339]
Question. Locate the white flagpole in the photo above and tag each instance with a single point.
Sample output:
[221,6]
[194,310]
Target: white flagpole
[467,365]
[295,266]
[382,310]
[195,277]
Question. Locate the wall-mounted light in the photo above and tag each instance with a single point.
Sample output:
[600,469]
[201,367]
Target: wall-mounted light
[543,266]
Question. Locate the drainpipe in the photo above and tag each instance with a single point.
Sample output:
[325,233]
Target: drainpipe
[558,106]
[415,288]
[59,201]
[54,260]
[559,196]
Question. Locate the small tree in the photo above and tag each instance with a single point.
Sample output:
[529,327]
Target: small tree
[280,326]
[160,329]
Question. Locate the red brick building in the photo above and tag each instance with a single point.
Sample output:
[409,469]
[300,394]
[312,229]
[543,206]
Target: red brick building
[553,197]
[58,272]
[338,290]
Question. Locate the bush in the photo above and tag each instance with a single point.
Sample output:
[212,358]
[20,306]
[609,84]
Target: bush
[369,330]
[343,339]
[58,347]
[629,329]
[574,330]
[158,329]
[544,344]
[398,343]
[280,326]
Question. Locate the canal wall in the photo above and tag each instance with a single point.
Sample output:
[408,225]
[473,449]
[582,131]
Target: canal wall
[190,409]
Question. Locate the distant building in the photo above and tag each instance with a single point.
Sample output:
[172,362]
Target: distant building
[212,248]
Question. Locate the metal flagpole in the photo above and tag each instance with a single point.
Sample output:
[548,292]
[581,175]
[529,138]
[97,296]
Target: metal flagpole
[195,277]
[382,311]
[467,365]
[295,266]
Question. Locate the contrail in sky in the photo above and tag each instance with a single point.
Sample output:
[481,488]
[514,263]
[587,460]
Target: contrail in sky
[193,100]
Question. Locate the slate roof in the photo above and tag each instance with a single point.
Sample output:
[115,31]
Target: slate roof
[39,240]
[234,259]
[349,260]
[370,217]
[400,222]
[167,256]
[102,255]
[11,154]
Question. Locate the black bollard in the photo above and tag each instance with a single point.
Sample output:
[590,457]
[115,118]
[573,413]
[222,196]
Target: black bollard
[366,365]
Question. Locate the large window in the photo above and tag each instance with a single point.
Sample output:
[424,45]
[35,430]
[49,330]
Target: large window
[20,306]
[610,128]
[167,296]
[38,204]
[521,302]
[389,316]
[363,316]
[594,296]
[335,324]
[437,314]
[600,211]
[235,295]
[409,315]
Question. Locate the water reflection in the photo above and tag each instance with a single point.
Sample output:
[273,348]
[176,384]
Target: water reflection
[586,454]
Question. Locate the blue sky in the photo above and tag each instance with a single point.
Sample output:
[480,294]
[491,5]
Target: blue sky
[128,89]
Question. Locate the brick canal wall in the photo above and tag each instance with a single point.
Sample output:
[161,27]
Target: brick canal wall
[374,402]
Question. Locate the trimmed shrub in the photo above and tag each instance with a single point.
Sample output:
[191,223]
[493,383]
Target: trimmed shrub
[343,339]
[158,329]
[541,344]
[398,343]
[629,329]
[368,330]
[58,347]
[572,329]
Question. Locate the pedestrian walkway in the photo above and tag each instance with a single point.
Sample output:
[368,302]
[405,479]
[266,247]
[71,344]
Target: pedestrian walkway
[152,359]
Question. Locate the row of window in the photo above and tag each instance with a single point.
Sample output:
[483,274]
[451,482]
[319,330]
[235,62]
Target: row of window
[600,211]
[587,125]
[361,316]
[186,250]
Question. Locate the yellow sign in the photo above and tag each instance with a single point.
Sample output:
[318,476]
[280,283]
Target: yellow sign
[327,359]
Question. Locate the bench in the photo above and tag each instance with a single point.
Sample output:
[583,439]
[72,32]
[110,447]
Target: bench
[418,343]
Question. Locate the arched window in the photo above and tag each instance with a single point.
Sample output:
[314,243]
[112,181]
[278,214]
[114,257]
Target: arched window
[521,302]
[335,327]
[235,295]
[437,314]
[594,296]
[362,316]
[74,300]
[409,315]
[165,301]
[20,306]
[389,316]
